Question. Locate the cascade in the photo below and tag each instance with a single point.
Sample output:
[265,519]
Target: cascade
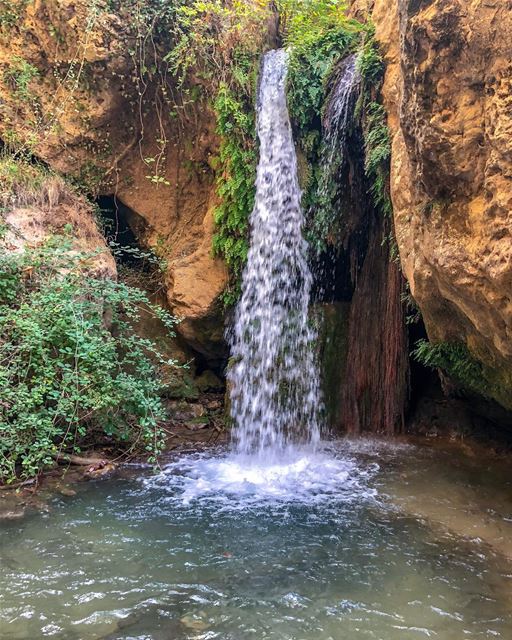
[339,110]
[336,125]
[274,382]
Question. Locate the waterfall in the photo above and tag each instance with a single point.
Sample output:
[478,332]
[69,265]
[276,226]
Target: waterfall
[273,378]
[327,213]
[339,110]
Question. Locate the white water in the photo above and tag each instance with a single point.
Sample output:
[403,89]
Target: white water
[237,482]
[274,384]
[327,212]
[278,458]
[340,111]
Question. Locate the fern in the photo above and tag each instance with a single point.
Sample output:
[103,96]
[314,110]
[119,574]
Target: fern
[455,360]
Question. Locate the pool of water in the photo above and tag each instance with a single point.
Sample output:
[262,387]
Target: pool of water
[356,541]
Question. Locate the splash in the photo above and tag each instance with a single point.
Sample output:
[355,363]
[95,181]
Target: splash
[274,384]
[328,477]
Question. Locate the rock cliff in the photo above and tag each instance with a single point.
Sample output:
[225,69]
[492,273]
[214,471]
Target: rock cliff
[448,93]
[80,90]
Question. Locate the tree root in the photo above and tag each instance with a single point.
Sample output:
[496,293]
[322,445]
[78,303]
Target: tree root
[67,458]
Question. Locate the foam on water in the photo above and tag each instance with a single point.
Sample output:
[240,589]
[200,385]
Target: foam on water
[303,476]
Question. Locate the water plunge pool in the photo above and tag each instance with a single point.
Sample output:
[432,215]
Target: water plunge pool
[358,540]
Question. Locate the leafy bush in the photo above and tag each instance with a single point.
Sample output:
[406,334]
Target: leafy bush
[211,36]
[71,362]
[319,34]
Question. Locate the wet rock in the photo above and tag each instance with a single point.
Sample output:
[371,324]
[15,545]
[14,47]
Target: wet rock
[182,386]
[195,621]
[16,513]
[214,404]
[100,471]
[185,412]
[67,491]
[198,423]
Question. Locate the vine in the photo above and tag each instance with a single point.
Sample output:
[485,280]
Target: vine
[236,174]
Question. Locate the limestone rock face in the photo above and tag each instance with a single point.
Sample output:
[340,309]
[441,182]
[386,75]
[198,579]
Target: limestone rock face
[448,92]
[76,92]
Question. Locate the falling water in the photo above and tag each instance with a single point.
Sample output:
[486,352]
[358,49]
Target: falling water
[327,212]
[340,110]
[275,397]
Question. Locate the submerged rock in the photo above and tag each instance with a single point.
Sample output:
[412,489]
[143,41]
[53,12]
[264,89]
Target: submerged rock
[195,621]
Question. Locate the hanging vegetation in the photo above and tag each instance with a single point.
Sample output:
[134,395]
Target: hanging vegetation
[221,43]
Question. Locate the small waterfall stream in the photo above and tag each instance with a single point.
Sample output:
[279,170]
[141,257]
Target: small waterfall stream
[275,391]
[327,213]
[340,109]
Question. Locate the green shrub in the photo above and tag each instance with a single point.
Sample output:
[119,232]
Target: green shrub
[320,35]
[455,360]
[71,363]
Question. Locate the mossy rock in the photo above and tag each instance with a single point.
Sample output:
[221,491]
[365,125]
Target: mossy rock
[182,386]
[208,381]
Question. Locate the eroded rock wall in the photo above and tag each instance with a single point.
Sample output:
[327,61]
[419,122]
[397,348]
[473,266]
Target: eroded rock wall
[78,91]
[448,93]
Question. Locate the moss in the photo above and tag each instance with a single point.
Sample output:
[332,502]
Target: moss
[180,385]
[332,320]
[24,183]
[236,175]
[89,178]
[11,12]
[18,77]
[209,382]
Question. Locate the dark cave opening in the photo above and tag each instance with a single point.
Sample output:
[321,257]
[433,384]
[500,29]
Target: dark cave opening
[138,266]
[122,227]
[424,381]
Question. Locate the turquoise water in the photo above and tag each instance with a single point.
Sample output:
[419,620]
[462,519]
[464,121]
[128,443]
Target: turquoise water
[327,545]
